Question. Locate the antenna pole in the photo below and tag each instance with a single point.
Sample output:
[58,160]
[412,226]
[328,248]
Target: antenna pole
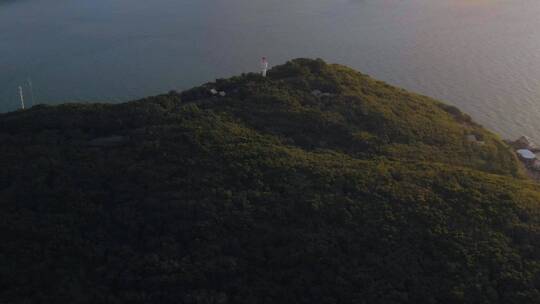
[31,92]
[21,96]
[264,66]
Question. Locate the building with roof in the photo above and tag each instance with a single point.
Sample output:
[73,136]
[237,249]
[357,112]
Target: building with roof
[526,155]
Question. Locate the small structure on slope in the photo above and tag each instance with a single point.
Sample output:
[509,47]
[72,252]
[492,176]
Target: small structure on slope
[215,92]
[526,155]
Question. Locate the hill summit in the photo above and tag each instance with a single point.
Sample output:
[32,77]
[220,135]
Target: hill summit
[316,184]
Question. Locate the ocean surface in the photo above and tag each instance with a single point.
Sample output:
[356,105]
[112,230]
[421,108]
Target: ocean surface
[480,55]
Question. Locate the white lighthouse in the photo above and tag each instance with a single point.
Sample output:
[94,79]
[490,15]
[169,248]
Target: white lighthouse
[264,66]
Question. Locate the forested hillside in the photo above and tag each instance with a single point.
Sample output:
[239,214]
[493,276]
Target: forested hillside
[317,184]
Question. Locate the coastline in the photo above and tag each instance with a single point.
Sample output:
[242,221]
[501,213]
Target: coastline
[528,154]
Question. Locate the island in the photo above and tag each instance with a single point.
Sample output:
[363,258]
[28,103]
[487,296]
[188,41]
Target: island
[315,184]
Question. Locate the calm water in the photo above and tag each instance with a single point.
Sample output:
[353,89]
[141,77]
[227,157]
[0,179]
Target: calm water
[480,55]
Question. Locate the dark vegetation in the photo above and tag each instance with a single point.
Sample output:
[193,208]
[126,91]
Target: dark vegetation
[369,194]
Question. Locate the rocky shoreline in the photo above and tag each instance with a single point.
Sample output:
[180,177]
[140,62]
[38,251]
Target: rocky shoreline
[529,154]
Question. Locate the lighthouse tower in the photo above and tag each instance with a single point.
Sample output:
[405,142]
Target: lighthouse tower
[264,66]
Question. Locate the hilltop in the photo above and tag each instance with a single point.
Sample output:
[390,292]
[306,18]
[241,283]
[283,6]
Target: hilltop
[317,184]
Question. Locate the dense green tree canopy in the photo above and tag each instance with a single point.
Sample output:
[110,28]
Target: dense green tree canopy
[274,193]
